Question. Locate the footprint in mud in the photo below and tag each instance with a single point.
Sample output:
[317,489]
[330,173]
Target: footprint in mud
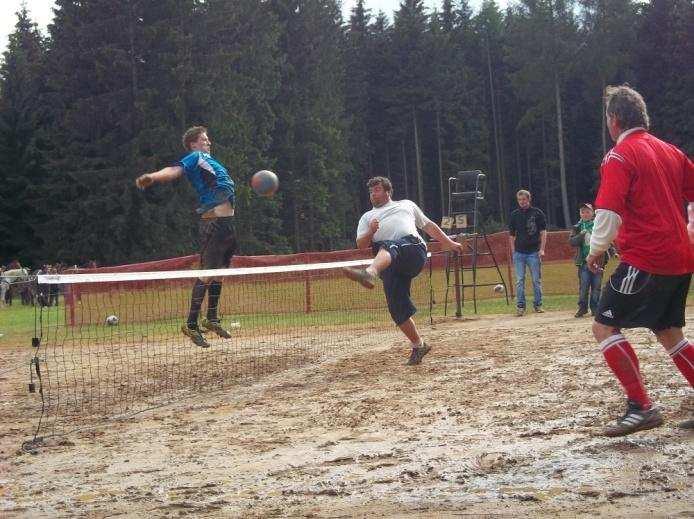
[490,462]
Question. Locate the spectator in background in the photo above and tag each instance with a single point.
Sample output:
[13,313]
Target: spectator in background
[589,283]
[527,237]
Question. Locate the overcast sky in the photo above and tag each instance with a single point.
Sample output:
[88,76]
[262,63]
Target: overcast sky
[41,11]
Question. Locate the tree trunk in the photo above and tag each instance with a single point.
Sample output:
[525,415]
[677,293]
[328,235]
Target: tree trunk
[562,166]
[603,124]
[442,182]
[548,197]
[492,96]
[404,168]
[519,168]
[418,161]
[527,164]
[388,173]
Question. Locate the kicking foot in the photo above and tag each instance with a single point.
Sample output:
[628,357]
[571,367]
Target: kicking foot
[195,336]
[581,312]
[539,310]
[361,276]
[418,354]
[216,327]
[635,419]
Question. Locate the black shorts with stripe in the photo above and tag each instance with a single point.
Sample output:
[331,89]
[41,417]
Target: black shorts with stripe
[633,298]
[217,242]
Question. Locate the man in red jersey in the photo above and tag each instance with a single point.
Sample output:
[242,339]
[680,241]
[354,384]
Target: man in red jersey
[645,184]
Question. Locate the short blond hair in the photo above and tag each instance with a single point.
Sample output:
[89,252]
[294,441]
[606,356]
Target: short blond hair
[524,192]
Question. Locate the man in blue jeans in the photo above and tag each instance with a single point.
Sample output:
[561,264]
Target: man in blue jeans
[527,229]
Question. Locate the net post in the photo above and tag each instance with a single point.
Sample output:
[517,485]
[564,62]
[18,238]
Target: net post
[70,304]
[307,290]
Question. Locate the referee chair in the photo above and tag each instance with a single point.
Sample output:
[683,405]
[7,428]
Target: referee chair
[465,192]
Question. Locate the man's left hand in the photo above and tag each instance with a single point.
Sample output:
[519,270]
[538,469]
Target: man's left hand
[454,246]
[595,262]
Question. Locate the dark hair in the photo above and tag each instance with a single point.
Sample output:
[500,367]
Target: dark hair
[192,134]
[627,106]
[383,181]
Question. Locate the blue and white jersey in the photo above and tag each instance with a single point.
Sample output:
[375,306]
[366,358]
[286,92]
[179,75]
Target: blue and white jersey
[209,178]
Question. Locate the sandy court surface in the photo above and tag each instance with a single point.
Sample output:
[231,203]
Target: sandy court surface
[499,419]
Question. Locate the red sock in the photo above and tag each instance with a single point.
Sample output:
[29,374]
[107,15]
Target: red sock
[622,360]
[683,356]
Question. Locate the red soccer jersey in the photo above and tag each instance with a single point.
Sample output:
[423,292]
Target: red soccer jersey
[647,182]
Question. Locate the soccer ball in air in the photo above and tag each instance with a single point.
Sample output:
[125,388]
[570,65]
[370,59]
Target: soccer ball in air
[499,288]
[265,183]
[112,320]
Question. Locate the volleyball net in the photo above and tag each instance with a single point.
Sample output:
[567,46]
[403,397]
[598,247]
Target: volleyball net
[113,345]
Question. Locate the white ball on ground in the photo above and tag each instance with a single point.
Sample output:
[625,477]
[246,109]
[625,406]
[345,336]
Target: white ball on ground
[499,288]
[112,320]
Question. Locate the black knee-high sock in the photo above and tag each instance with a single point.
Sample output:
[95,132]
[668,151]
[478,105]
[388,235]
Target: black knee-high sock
[213,293]
[196,302]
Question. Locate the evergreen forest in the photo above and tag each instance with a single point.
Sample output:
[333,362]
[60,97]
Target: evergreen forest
[326,102]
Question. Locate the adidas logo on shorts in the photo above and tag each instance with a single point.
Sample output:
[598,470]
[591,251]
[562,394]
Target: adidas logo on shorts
[608,313]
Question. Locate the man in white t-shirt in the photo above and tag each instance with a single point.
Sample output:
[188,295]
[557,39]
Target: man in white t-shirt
[390,229]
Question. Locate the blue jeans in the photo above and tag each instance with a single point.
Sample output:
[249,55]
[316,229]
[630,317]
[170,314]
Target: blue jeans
[532,260]
[588,282]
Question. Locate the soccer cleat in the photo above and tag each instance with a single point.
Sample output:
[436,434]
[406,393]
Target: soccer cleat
[520,311]
[635,419]
[361,276]
[195,336]
[687,424]
[539,310]
[581,312]
[214,326]
[418,354]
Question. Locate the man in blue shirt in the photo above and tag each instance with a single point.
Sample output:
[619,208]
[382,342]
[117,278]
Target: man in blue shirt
[216,192]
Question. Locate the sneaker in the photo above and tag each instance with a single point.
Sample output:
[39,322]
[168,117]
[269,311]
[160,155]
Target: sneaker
[539,310]
[635,419]
[418,354]
[361,276]
[687,424]
[581,312]
[520,312]
[195,336]
[214,326]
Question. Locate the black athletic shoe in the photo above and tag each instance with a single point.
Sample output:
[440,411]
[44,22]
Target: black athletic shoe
[195,336]
[214,326]
[418,354]
[635,419]
[687,424]
[581,312]
[538,310]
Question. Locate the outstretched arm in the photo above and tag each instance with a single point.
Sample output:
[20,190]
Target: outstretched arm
[168,174]
[437,233]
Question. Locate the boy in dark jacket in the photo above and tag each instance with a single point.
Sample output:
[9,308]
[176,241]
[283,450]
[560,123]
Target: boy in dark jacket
[588,281]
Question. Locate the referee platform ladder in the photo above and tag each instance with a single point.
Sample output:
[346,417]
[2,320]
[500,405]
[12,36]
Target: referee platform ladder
[466,190]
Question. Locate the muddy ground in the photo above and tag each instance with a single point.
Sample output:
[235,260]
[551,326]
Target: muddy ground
[501,419]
